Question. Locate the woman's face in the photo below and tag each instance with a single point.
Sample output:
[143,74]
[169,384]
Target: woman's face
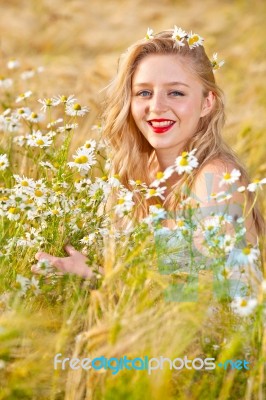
[167,103]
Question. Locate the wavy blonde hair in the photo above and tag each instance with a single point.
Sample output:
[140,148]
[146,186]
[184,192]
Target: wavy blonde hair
[133,157]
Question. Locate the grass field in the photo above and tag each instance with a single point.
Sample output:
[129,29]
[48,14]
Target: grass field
[71,48]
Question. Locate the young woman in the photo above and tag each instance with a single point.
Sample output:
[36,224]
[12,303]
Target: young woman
[163,102]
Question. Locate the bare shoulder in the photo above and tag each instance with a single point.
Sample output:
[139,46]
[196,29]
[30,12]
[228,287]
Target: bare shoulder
[208,180]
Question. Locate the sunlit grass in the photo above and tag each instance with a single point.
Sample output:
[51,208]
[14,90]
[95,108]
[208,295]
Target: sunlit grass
[128,314]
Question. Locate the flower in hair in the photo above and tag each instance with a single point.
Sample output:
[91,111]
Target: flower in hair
[149,34]
[194,40]
[215,64]
[178,36]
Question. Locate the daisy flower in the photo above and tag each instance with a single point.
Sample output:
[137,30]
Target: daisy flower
[22,284]
[215,64]
[230,177]
[138,185]
[89,144]
[243,307]
[23,96]
[256,184]
[35,118]
[125,203]
[156,212]
[223,197]
[186,162]
[76,110]
[162,176]
[13,64]
[178,36]
[4,163]
[13,213]
[47,164]
[194,40]
[22,112]
[47,103]
[55,122]
[19,140]
[151,192]
[62,99]
[27,74]
[67,128]
[5,83]
[83,160]
[37,139]
[114,181]
[248,256]
[98,128]
[149,34]
[23,183]
[82,184]
[226,243]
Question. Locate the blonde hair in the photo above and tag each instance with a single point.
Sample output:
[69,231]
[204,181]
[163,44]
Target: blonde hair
[132,156]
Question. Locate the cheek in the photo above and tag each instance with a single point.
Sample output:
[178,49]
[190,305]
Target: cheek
[136,110]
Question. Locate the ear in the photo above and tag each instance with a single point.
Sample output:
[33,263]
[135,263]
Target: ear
[208,103]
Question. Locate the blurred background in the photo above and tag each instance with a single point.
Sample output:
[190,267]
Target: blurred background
[78,42]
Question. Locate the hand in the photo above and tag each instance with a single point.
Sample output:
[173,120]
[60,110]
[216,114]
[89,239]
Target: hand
[74,264]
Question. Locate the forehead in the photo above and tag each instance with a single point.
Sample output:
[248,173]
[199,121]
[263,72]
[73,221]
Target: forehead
[162,67]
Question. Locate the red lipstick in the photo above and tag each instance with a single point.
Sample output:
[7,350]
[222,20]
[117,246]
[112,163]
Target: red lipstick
[161,125]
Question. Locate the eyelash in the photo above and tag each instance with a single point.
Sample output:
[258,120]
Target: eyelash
[141,93]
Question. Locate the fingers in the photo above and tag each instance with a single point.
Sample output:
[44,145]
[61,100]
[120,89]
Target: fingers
[46,262]
[70,249]
[45,256]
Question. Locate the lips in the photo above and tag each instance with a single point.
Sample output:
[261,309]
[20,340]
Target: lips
[161,125]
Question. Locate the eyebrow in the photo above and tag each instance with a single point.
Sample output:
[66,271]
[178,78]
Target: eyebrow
[166,84]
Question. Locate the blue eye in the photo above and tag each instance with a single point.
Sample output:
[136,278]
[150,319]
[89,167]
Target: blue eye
[176,93]
[144,93]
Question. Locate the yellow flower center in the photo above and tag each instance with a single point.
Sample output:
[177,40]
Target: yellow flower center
[34,115]
[104,178]
[193,39]
[48,102]
[38,193]
[256,181]
[77,107]
[63,99]
[159,175]
[138,182]
[116,176]
[13,210]
[40,142]
[183,162]
[243,303]
[121,201]
[55,212]
[24,183]
[81,160]
[246,251]
[180,223]
[227,176]
[152,191]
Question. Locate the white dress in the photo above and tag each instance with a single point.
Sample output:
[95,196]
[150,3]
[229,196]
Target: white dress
[176,256]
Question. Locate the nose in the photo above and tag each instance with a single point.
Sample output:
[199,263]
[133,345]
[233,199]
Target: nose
[158,103]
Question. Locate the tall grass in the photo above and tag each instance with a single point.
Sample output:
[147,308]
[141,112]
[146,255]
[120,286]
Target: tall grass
[128,312]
